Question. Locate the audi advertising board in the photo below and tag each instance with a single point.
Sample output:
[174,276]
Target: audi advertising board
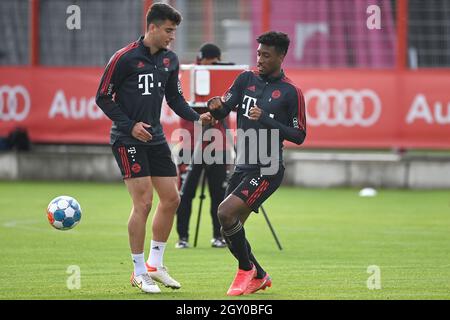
[376,108]
[360,109]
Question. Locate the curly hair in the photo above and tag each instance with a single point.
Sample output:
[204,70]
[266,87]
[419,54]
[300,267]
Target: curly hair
[279,40]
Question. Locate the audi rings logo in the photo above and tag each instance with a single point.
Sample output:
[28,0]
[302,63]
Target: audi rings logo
[342,107]
[14,103]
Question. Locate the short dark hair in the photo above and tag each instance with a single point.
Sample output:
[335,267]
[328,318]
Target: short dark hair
[209,51]
[279,40]
[159,12]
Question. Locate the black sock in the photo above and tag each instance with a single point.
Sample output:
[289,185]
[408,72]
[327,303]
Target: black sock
[229,246]
[236,237]
[260,273]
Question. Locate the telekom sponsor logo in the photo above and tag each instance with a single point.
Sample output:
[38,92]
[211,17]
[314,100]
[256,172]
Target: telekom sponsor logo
[347,107]
[15,103]
[421,110]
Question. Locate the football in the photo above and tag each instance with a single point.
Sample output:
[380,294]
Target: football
[64,212]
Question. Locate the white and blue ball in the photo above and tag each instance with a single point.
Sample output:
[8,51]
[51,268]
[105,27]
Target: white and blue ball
[64,212]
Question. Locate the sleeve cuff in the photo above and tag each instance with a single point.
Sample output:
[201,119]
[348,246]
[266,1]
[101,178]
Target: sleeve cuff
[264,118]
[131,126]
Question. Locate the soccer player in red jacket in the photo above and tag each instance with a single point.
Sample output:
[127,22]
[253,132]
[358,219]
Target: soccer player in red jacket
[266,101]
[131,92]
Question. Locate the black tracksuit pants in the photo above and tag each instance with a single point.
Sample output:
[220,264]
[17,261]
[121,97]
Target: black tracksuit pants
[216,175]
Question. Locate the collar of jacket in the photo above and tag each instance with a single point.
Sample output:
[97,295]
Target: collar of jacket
[147,49]
[272,78]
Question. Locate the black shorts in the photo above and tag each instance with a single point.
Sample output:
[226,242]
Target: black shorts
[254,188]
[142,161]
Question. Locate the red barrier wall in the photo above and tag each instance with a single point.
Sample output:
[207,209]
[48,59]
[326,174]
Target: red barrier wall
[376,108]
[345,108]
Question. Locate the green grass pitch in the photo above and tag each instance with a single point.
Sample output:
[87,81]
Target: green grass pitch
[330,238]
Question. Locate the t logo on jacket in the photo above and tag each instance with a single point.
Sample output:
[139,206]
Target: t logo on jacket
[148,84]
[247,103]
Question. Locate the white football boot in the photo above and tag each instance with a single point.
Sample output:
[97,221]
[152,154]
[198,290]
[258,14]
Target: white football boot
[145,283]
[161,275]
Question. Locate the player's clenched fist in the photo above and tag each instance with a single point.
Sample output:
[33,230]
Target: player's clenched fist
[214,103]
[255,113]
[207,118]
[140,132]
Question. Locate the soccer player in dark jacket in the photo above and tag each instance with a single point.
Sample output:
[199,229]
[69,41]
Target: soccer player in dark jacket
[131,92]
[266,102]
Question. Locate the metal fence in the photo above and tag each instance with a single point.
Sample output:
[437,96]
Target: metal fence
[429,33]
[14,32]
[324,33]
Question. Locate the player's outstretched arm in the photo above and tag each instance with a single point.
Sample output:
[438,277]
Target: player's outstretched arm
[175,98]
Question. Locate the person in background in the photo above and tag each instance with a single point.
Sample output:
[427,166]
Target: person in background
[190,174]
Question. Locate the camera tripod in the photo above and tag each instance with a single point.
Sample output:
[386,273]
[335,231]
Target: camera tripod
[197,148]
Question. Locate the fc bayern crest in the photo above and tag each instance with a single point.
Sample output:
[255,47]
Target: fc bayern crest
[166,62]
[136,168]
[276,94]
